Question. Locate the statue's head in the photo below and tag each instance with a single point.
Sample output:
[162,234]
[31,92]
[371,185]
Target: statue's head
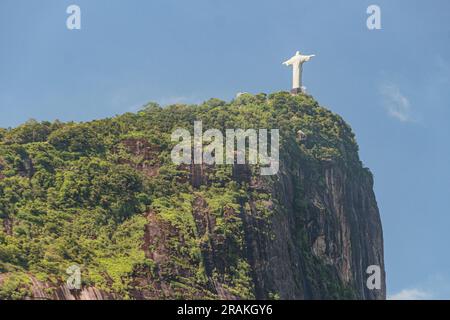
[297,53]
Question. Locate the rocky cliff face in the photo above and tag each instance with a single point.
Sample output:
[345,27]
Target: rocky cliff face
[324,231]
[309,232]
[340,235]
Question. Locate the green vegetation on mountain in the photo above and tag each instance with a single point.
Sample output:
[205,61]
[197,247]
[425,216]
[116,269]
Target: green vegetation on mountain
[106,196]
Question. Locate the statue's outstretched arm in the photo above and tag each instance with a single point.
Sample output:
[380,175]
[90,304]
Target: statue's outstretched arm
[288,62]
[307,58]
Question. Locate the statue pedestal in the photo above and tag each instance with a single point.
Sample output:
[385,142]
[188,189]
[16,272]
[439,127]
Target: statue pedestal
[296,91]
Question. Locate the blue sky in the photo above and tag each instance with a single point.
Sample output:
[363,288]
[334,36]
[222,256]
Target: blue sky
[391,85]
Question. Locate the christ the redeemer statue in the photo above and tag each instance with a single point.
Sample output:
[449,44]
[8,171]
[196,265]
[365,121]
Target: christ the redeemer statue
[297,66]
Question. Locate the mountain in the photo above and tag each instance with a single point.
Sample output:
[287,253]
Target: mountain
[106,196]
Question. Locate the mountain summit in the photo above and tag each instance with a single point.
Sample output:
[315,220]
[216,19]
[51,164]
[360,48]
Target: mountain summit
[105,196]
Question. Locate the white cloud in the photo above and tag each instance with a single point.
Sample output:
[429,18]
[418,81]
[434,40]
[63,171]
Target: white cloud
[397,105]
[411,294]
[435,286]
